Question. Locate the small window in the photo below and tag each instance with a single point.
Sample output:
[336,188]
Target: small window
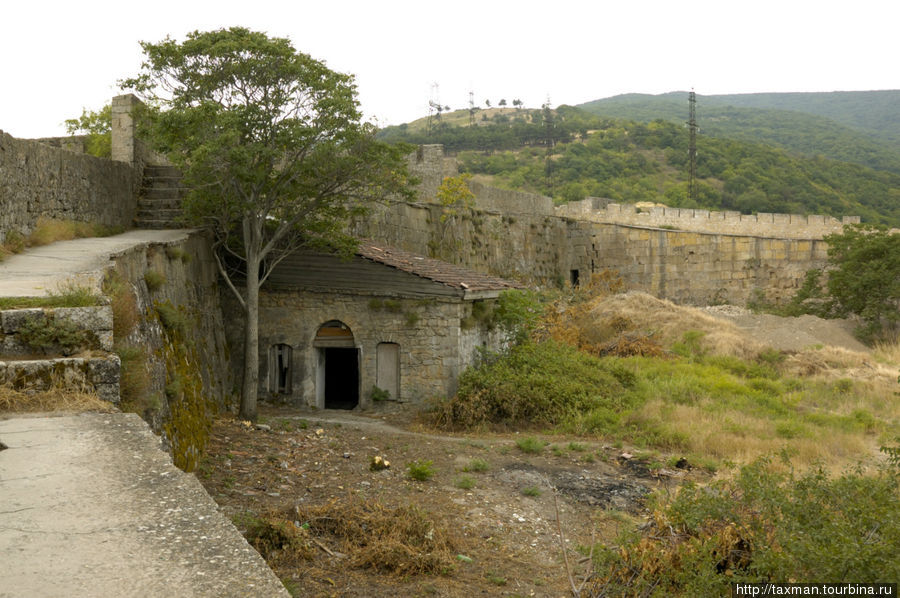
[280,362]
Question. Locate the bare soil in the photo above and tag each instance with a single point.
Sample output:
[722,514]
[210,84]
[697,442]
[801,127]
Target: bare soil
[791,333]
[503,531]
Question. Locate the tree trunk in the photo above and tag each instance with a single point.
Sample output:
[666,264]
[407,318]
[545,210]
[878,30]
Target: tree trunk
[251,344]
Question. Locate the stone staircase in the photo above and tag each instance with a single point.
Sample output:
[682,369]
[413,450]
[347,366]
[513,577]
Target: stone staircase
[159,203]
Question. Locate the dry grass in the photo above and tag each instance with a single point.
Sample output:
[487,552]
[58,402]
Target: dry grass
[403,540]
[888,352]
[738,436]
[123,303]
[54,399]
[666,323]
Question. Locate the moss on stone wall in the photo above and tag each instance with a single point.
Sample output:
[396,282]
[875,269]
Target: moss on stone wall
[191,409]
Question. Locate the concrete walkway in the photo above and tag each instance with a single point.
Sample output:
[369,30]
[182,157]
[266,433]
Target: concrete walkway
[90,507]
[38,270]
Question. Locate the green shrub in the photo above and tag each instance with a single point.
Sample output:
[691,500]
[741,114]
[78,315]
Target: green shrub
[48,334]
[538,383]
[532,491]
[172,319]
[530,445]
[420,471]
[154,279]
[380,394]
[173,252]
[67,295]
[464,482]
[478,465]
[762,525]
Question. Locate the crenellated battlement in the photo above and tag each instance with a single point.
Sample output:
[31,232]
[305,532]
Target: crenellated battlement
[786,226]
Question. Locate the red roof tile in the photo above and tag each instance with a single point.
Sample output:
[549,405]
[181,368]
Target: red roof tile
[432,269]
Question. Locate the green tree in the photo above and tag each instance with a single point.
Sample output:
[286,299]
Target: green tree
[865,279]
[96,126]
[455,198]
[273,150]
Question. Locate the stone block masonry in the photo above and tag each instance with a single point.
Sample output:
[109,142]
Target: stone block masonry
[688,256]
[705,268]
[434,344]
[786,226]
[39,180]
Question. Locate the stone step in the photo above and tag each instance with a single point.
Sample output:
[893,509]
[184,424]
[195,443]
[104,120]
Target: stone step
[158,224]
[161,171]
[171,181]
[162,202]
[172,214]
[162,192]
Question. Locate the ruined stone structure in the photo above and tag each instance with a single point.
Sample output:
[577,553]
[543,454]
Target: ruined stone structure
[337,334]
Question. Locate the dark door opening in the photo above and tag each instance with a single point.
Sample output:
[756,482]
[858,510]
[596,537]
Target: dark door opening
[341,378]
[574,277]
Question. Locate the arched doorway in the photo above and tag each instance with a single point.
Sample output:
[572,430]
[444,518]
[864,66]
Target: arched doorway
[337,376]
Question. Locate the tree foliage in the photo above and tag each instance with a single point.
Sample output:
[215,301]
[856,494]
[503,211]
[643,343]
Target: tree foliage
[627,161]
[96,126]
[273,149]
[865,276]
[859,127]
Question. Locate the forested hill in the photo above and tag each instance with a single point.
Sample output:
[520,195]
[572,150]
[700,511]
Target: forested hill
[860,127]
[570,154]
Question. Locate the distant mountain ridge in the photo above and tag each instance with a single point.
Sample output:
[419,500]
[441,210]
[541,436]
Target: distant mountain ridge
[862,127]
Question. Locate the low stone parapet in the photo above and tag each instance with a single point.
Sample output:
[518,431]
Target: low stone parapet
[94,326]
[97,374]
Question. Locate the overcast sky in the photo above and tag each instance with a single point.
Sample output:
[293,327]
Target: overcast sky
[58,57]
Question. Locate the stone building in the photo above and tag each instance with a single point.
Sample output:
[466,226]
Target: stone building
[386,324]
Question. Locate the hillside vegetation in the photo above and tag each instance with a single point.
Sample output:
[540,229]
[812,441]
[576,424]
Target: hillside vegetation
[570,154]
[858,127]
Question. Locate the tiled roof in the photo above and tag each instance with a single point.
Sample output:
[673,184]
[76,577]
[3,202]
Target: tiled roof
[432,269]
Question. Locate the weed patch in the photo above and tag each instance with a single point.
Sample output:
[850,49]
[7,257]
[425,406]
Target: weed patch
[530,445]
[420,471]
[49,230]
[154,279]
[764,524]
[51,335]
[477,465]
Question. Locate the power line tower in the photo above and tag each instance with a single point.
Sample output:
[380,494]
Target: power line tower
[434,107]
[692,146]
[471,108]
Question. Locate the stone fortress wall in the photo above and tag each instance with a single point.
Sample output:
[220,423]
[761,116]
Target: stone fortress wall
[55,179]
[688,256]
[37,180]
[790,226]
